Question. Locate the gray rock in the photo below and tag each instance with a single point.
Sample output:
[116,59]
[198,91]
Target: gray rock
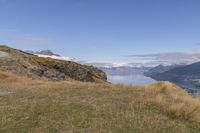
[39,71]
[61,76]
[3,54]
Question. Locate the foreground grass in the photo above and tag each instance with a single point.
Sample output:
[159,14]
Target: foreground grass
[42,106]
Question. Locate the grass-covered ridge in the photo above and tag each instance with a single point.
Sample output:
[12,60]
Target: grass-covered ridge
[71,106]
[36,67]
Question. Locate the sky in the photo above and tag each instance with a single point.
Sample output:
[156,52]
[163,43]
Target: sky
[101,30]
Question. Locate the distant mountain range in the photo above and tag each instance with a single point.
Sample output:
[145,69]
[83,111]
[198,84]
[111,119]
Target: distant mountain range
[43,52]
[161,68]
[47,52]
[125,70]
[50,54]
[115,65]
[185,76]
[182,74]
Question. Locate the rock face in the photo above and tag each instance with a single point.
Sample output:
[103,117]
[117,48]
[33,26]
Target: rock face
[22,63]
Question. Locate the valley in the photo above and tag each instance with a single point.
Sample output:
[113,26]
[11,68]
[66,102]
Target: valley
[32,102]
[99,66]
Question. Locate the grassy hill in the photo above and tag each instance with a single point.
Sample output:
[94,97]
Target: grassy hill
[36,67]
[35,106]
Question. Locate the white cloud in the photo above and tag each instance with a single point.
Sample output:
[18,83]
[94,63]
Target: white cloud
[169,58]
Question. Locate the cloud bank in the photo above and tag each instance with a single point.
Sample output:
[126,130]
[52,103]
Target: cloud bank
[169,58]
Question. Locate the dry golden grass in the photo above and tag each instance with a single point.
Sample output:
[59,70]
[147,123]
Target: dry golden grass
[176,102]
[36,67]
[28,105]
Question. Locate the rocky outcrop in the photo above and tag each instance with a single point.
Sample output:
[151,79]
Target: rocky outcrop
[33,66]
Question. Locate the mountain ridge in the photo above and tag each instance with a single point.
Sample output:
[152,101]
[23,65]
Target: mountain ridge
[27,64]
[161,68]
[184,76]
[42,52]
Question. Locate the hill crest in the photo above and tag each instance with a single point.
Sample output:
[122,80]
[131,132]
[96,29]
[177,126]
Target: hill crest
[27,64]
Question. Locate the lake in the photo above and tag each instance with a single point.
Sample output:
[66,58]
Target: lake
[138,79]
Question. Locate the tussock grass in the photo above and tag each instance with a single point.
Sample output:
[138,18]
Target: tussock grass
[71,106]
[175,101]
[36,67]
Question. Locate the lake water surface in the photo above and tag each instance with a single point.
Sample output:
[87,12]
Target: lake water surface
[140,79]
[131,79]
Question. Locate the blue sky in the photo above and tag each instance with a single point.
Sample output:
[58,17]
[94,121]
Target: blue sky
[101,30]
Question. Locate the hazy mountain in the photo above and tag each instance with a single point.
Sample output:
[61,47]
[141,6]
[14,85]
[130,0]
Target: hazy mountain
[124,70]
[46,52]
[160,69]
[42,52]
[115,65]
[185,76]
[50,54]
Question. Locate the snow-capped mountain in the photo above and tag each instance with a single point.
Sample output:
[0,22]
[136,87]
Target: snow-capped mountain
[46,52]
[57,57]
[135,61]
[50,54]
[116,65]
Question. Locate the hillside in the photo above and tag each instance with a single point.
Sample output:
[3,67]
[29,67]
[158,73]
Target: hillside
[160,69]
[40,106]
[186,76]
[30,65]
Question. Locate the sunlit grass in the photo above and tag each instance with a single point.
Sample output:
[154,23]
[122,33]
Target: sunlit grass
[71,106]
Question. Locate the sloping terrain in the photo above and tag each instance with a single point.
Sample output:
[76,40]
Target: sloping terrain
[33,66]
[3,54]
[161,69]
[185,76]
[39,106]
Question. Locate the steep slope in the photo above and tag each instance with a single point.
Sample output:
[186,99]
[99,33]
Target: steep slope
[33,66]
